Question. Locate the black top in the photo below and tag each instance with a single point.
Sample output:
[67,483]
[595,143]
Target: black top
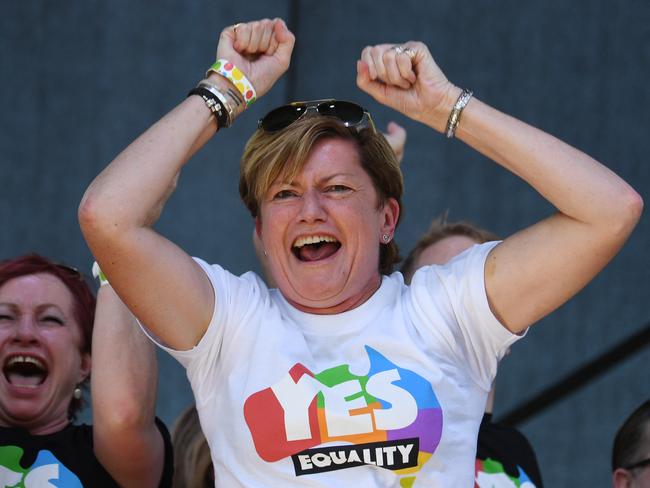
[505,450]
[66,456]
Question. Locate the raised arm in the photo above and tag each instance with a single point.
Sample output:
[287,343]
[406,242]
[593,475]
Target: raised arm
[537,269]
[123,384]
[162,285]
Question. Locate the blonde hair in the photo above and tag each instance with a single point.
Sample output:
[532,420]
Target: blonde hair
[283,154]
[192,461]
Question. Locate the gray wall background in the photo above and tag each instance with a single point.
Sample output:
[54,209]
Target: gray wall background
[80,80]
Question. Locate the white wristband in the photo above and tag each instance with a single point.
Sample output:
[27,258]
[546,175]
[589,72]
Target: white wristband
[99,274]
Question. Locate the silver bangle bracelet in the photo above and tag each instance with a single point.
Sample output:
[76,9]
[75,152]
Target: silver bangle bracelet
[454,116]
[225,101]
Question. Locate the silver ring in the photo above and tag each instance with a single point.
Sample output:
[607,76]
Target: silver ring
[409,52]
[404,50]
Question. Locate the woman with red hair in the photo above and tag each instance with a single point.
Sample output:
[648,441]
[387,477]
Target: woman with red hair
[49,329]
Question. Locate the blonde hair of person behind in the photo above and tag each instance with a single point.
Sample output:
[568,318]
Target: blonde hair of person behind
[438,230]
[283,154]
[192,461]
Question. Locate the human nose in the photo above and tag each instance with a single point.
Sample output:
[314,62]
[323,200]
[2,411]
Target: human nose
[312,209]
[26,330]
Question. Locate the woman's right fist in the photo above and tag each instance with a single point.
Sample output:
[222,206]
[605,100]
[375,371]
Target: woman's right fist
[260,49]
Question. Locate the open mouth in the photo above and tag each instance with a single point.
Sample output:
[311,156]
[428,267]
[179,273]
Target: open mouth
[315,248]
[25,371]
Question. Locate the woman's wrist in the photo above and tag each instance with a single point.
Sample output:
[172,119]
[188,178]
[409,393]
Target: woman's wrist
[454,116]
[438,117]
[223,101]
[227,88]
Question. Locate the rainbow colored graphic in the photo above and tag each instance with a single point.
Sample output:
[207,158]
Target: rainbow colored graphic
[47,471]
[390,418]
[491,474]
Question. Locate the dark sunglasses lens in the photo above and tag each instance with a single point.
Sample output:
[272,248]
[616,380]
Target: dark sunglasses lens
[74,272]
[348,112]
[69,269]
[281,117]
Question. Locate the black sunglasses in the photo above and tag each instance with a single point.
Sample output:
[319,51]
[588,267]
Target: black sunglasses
[352,115]
[71,270]
[638,464]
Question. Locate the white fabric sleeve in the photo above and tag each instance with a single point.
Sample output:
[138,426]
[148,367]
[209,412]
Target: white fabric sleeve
[454,301]
[235,297]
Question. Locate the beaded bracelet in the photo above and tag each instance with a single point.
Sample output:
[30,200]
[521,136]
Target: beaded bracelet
[215,103]
[229,97]
[454,116]
[228,70]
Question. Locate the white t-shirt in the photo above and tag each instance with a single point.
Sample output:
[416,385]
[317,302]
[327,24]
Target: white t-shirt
[388,394]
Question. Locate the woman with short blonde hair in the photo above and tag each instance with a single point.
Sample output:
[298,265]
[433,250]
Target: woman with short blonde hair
[343,375]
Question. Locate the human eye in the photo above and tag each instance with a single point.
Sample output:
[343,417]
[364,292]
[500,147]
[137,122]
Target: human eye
[52,320]
[338,189]
[6,313]
[283,194]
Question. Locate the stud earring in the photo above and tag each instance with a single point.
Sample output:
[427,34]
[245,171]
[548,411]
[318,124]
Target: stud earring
[386,238]
[77,393]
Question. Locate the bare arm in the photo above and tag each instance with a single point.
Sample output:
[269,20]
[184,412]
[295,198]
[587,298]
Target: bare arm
[159,282]
[537,269]
[123,383]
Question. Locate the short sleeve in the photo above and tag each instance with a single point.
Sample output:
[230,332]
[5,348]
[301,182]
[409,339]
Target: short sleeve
[453,303]
[236,297]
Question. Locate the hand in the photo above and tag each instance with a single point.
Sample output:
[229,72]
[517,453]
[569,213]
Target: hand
[260,49]
[396,136]
[410,82]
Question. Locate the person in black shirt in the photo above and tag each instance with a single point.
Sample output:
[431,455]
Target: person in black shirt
[47,338]
[502,451]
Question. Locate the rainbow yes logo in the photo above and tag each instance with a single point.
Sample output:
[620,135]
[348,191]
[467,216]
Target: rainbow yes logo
[390,418]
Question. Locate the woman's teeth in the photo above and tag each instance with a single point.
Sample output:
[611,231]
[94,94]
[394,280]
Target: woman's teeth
[315,248]
[301,241]
[25,371]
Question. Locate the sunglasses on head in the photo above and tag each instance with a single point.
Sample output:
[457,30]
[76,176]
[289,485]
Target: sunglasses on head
[350,114]
[72,271]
